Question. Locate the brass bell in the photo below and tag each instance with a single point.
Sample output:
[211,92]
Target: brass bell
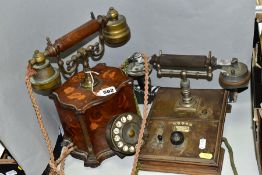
[116,32]
[46,78]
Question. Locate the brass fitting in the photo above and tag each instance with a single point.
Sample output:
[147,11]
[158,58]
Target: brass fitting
[116,31]
[46,78]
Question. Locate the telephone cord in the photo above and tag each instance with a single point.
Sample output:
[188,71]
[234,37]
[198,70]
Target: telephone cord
[66,150]
[231,157]
[145,114]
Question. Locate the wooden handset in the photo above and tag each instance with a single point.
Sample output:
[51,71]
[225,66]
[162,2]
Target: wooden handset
[75,36]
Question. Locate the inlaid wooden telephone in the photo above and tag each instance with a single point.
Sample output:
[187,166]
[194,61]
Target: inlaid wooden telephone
[96,106]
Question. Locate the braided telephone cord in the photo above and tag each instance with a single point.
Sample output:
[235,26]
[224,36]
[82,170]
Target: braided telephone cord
[66,150]
[143,125]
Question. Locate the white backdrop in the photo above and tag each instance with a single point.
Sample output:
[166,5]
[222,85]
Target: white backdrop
[175,26]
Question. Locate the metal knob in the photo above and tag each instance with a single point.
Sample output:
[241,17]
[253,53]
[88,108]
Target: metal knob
[177,138]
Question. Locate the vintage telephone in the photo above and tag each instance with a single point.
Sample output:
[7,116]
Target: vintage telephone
[96,106]
[184,128]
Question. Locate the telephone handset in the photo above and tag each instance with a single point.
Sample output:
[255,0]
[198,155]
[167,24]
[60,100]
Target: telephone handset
[96,106]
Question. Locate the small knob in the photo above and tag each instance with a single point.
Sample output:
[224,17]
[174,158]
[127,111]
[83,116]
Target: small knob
[112,13]
[177,138]
[160,138]
[39,56]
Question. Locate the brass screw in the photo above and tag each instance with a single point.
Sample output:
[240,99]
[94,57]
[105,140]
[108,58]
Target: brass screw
[131,133]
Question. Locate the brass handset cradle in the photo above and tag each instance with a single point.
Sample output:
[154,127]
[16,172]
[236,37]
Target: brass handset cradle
[112,30]
[187,101]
